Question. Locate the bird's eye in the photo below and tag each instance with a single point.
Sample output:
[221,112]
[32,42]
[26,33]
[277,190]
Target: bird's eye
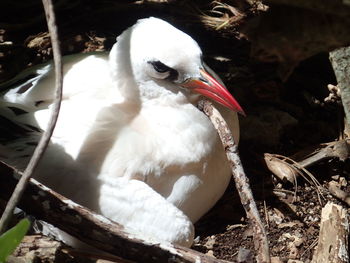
[159,66]
[162,71]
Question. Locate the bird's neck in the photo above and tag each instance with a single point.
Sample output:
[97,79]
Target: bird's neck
[121,69]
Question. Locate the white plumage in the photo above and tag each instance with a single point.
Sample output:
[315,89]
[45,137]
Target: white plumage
[129,142]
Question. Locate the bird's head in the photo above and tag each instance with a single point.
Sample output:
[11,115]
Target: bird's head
[162,54]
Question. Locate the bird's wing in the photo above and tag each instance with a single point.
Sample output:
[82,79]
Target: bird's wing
[26,100]
[144,212]
[32,89]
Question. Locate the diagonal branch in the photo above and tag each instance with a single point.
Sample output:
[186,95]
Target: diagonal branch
[45,139]
[94,229]
[242,183]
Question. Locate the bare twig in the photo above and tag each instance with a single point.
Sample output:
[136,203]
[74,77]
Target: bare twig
[95,229]
[45,139]
[337,149]
[293,169]
[266,215]
[288,169]
[241,181]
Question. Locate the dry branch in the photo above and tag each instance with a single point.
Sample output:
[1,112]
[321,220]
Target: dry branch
[94,229]
[45,138]
[333,239]
[290,168]
[241,181]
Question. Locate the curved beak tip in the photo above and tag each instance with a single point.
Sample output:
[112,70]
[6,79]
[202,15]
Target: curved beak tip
[242,113]
[211,88]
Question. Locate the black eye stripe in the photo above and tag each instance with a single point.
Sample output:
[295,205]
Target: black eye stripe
[162,68]
[159,66]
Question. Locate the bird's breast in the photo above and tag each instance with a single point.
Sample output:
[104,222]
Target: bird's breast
[176,152]
[165,137]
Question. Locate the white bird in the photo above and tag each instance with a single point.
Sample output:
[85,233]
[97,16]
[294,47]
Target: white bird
[130,142]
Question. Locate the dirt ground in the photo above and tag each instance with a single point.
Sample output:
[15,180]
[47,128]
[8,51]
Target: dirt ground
[282,118]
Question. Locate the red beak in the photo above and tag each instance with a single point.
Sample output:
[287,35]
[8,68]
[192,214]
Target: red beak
[208,86]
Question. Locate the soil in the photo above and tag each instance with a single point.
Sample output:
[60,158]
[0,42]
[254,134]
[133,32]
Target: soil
[282,118]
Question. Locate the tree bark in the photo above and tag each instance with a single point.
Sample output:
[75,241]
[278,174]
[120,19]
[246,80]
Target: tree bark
[333,239]
[340,59]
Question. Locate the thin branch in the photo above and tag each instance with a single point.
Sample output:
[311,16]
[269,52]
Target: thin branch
[242,183]
[94,229]
[286,168]
[45,139]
